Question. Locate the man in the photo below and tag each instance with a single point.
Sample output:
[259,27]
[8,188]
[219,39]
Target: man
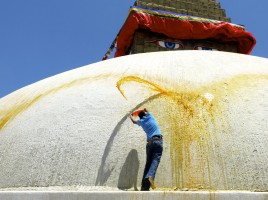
[154,147]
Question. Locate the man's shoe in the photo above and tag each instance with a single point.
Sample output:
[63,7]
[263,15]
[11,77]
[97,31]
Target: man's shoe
[144,189]
[151,180]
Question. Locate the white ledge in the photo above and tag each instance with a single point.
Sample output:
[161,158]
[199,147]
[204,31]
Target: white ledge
[130,195]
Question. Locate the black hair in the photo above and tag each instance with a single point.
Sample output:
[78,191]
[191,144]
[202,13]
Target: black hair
[141,114]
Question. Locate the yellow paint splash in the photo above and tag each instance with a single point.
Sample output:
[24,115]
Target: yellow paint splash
[193,117]
[151,85]
[138,80]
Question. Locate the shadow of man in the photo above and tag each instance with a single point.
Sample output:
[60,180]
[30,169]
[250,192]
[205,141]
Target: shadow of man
[129,172]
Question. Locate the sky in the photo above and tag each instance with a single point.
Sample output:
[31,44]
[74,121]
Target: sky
[42,38]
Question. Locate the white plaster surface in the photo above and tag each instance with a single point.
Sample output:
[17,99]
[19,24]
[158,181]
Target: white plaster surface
[73,128]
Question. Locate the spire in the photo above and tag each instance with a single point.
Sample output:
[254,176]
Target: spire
[210,9]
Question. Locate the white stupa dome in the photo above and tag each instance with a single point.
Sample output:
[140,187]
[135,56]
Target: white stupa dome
[73,128]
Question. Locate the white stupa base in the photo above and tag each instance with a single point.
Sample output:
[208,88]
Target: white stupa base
[57,193]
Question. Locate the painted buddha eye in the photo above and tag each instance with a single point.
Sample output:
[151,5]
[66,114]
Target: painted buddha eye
[169,45]
[205,48]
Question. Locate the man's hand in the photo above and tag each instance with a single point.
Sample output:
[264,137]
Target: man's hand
[145,110]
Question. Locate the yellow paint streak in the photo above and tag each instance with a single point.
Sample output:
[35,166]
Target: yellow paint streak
[193,120]
[9,114]
[152,86]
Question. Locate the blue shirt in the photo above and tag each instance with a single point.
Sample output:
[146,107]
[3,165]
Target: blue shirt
[149,125]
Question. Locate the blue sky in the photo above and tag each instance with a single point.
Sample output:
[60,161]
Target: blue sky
[42,38]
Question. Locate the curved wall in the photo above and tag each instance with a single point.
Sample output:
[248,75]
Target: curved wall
[73,128]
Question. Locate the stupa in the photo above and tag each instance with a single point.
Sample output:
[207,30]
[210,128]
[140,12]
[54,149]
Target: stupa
[69,136]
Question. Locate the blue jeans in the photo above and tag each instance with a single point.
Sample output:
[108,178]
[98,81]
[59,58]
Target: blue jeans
[154,149]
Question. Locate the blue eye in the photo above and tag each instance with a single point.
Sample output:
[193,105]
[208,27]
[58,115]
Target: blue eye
[169,45]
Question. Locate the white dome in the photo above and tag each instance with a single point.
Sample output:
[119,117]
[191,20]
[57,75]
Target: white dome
[73,128]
